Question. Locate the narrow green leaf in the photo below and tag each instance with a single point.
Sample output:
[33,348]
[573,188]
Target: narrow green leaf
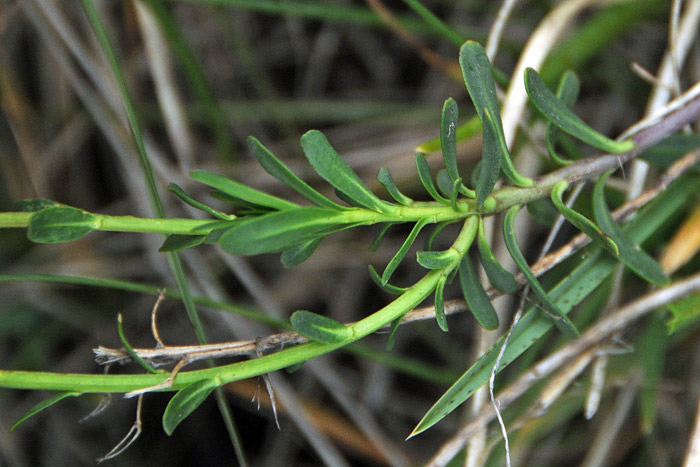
[444,183]
[498,276]
[593,268]
[384,177]
[655,341]
[130,350]
[60,224]
[560,115]
[398,257]
[428,243]
[181,242]
[490,165]
[35,204]
[500,143]
[45,404]
[391,338]
[319,328]
[630,254]
[474,294]
[436,259]
[186,401]
[337,172]
[374,246]
[426,179]
[299,253]
[560,320]
[478,77]
[567,93]
[241,191]
[440,316]
[281,172]
[388,288]
[279,231]
[448,137]
[580,221]
[182,194]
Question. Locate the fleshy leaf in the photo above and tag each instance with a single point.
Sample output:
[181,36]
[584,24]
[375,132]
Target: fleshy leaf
[60,224]
[45,404]
[281,172]
[374,246]
[448,137]
[560,320]
[436,259]
[184,196]
[388,288]
[444,183]
[384,177]
[474,294]
[181,242]
[398,257]
[279,231]
[428,243]
[35,204]
[592,270]
[299,253]
[337,172]
[426,179]
[440,316]
[240,191]
[186,401]
[498,276]
[630,254]
[559,114]
[567,93]
[319,328]
[580,221]
[476,70]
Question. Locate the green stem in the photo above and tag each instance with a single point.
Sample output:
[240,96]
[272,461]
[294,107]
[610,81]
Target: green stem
[225,374]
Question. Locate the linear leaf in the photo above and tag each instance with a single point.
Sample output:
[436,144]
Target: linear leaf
[444,183]
[45,404]
[428,243]
[374,246]
[440,316]
[299,253]
[567,93]
[592,269]
[560,320]
[60,224]
[559,114]
[436,259]
[319,328]
[388,288]
[279,231]
[498,276]
[281,172]
[478,77]
[474,294]
[630,254]
[398,257]
[384,177]
[337,172]
[241,191]
[181,242]
[580,221]
[448,137]
[184,196]
[186,401]
[426,178]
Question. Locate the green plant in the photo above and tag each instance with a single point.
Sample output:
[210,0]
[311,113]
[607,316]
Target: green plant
[261,223]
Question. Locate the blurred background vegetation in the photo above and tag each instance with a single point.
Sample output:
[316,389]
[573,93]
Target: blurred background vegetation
[206,74]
